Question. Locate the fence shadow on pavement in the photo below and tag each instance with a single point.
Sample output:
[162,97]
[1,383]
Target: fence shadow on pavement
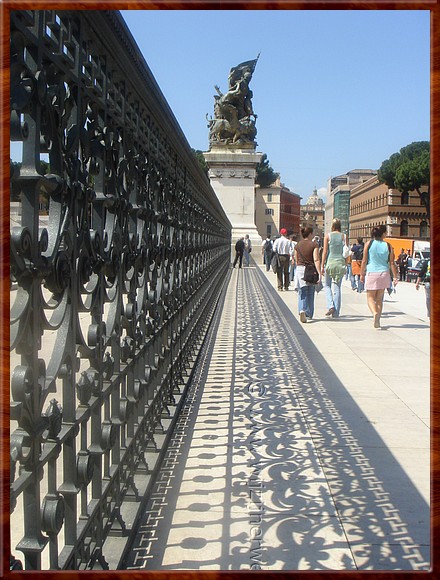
[267,469]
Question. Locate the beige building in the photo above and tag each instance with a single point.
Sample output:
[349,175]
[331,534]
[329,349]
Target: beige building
[313,214]
[339,194]
[276,207]
[372,203]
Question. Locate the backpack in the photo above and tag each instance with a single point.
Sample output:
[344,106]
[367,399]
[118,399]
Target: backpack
[267,245]
[359,254]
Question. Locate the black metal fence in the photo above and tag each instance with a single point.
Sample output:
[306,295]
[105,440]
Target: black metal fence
[119,251]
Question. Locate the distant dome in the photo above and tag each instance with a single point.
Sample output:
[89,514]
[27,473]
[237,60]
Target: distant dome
[314,199]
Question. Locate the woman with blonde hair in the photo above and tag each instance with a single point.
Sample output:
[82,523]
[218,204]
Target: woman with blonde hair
[333,266]
[375,271]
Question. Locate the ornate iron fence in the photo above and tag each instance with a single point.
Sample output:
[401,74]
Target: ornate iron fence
[111,291]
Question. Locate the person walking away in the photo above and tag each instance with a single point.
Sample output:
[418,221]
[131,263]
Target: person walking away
[266,250]
[282,247]
[375,271]
[402,262]
[292,259]
[333,267]
[348,274]
[239,249]
[356,263]
[424,278]
[247,249]
[306,252]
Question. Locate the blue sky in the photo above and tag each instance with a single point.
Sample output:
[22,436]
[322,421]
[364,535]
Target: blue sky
[334,90]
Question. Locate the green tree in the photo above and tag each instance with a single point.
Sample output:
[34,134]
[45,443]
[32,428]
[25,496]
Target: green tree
[265,174]
[15,168]
[201,159]
[409,170]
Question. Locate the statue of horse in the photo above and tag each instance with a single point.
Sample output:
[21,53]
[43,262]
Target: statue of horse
[227,128]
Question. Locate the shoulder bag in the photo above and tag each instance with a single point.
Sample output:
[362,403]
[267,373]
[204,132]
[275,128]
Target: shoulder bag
[311,274]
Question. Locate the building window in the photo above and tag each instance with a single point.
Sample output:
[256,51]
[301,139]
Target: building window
[269,197]
[269,211]
[423,229]
[405,198]
[403,228]
[268,230]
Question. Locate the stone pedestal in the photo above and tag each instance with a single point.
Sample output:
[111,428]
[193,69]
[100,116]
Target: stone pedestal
[232,173]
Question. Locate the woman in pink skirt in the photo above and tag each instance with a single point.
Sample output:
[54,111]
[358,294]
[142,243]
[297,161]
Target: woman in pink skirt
[377,262]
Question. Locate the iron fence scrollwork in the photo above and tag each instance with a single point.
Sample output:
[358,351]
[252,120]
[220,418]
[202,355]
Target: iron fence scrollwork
[113,282]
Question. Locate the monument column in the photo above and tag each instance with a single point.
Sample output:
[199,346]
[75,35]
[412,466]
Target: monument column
[232,174]
[232,158]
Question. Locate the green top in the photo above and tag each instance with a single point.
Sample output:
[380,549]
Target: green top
[335,263]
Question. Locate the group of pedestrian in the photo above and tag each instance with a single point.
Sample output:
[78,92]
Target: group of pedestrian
[243,249]
[328,270]
[370,266]
[280,251]
[312,267]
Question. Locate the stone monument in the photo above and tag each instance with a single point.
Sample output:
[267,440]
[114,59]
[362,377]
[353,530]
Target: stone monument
[232,158]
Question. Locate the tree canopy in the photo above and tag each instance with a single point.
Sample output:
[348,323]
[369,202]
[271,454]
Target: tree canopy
[201,159]
[15,168]
[265,174]
[409,170]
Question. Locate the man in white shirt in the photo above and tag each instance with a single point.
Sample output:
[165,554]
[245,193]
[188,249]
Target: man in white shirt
[283,247]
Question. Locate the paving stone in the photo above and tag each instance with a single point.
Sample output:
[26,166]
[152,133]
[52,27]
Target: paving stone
[299,450]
